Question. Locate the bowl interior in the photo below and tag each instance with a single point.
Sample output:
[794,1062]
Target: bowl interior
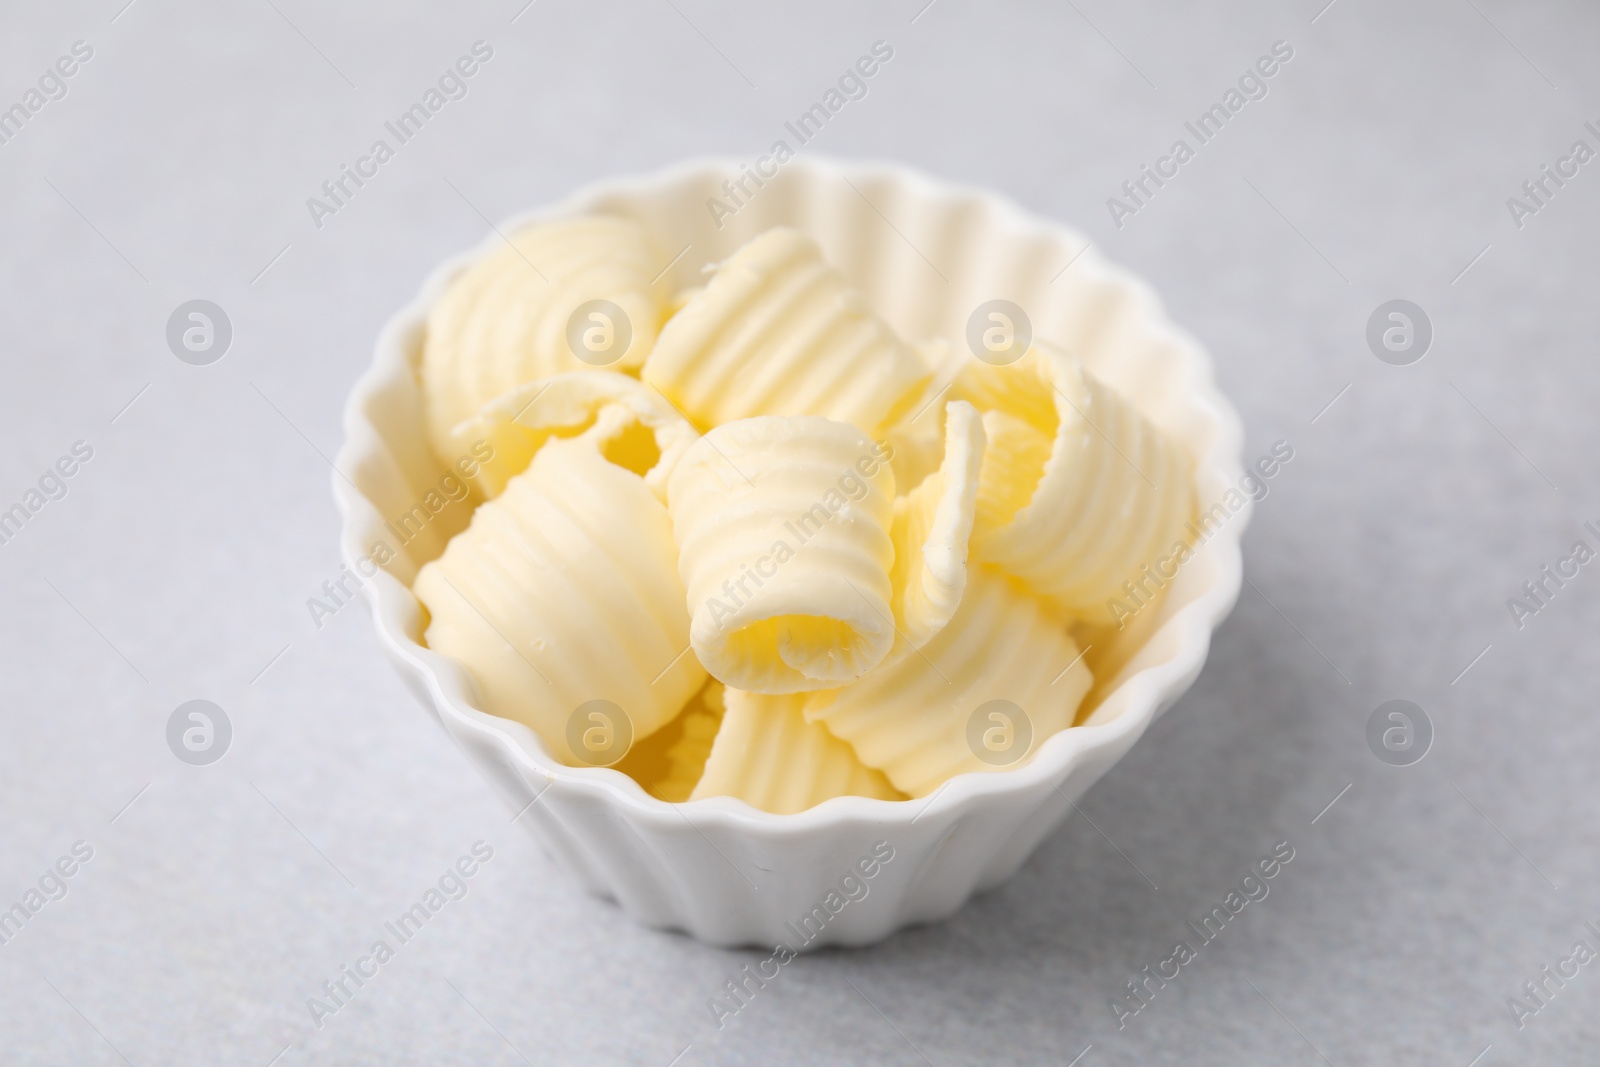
[925,255]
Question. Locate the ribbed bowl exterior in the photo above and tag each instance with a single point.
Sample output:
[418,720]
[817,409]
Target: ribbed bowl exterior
[925,254]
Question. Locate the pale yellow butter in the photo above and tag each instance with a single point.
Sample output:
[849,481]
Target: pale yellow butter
[564,589]
[518,423]
[1080,492]
[671,761]
[794,571]
[782,529]
[770,757]
[777,331]
[505,320]
[912,717]
[931,526]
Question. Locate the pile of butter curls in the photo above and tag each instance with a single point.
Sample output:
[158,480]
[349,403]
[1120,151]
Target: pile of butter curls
[743,540]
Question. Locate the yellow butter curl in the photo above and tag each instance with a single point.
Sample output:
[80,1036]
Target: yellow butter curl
[508,318]
[564,589]
[777,331]
[782,528]
[518,423]
[1080,493]
[912,717]
[931,526]
[770,757]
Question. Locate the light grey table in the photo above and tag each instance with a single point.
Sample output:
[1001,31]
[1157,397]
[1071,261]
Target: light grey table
[178,564]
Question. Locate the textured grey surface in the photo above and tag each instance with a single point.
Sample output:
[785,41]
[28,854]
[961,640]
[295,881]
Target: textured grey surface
[179,563]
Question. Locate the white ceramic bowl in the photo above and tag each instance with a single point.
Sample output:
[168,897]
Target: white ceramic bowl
[926,254]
